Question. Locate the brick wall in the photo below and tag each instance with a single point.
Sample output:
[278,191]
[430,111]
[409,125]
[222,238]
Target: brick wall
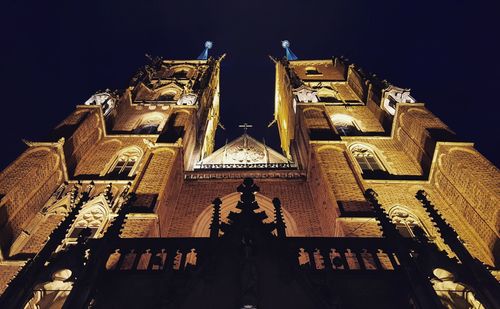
[469,183]
[101,155]
[197,195]
[41,234]
[392,154]
[339,177]
[27,183]
[154,177]
[7,273]
[84,137]
[324,199]
[315,118]
[140,225]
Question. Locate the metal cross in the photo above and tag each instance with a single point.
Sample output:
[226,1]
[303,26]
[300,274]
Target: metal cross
[245,127]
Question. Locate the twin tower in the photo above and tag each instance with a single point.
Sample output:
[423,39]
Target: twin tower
[355,151]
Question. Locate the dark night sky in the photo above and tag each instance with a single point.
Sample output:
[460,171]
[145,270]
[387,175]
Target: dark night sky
[55,56]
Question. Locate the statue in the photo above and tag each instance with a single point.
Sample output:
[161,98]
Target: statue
[453,295]
[51,294]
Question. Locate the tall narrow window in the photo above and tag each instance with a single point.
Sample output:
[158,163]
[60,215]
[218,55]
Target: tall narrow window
[345,125]
[366,159]
[406,223]
[125,163]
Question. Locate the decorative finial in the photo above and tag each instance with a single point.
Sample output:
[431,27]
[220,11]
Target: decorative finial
[245,127]
[289,54]
[204,54]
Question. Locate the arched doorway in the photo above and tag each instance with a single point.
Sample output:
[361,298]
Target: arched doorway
[201,226]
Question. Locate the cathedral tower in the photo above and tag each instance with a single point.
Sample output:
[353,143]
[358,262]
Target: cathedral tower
[129,205]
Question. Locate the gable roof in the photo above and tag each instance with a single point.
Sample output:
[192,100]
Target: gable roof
[244,152]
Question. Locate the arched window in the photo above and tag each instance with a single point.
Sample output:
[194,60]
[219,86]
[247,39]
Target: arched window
[90,220]
[366,158]
[149,125]
[345,125]
[125,162]
[406,223]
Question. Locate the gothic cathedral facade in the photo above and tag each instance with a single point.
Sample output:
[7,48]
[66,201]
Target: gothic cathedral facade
[370,200]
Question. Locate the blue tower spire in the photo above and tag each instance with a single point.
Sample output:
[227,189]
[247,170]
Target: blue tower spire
[289,54]
[204,54]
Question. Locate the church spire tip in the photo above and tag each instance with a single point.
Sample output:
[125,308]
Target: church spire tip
[289,54]
[204,54]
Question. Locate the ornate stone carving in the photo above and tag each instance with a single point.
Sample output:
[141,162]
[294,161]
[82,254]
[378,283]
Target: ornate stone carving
[106,100]
[453,295]
[51,294]
[393,95]
[188,99]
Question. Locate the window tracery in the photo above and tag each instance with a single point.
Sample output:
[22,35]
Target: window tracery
[366,158]
[91,220]
[125,162]
[406,222]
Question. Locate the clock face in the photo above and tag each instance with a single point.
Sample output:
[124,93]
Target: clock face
[242,155]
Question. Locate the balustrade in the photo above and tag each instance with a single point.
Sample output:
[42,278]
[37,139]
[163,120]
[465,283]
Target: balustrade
[344,254]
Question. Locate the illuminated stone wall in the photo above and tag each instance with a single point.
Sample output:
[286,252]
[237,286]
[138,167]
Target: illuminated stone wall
[87,149]
[416,149]
[322,194]
[25,186]
[197,195]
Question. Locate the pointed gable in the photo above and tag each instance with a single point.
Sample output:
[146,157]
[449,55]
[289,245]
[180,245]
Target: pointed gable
[244,152]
